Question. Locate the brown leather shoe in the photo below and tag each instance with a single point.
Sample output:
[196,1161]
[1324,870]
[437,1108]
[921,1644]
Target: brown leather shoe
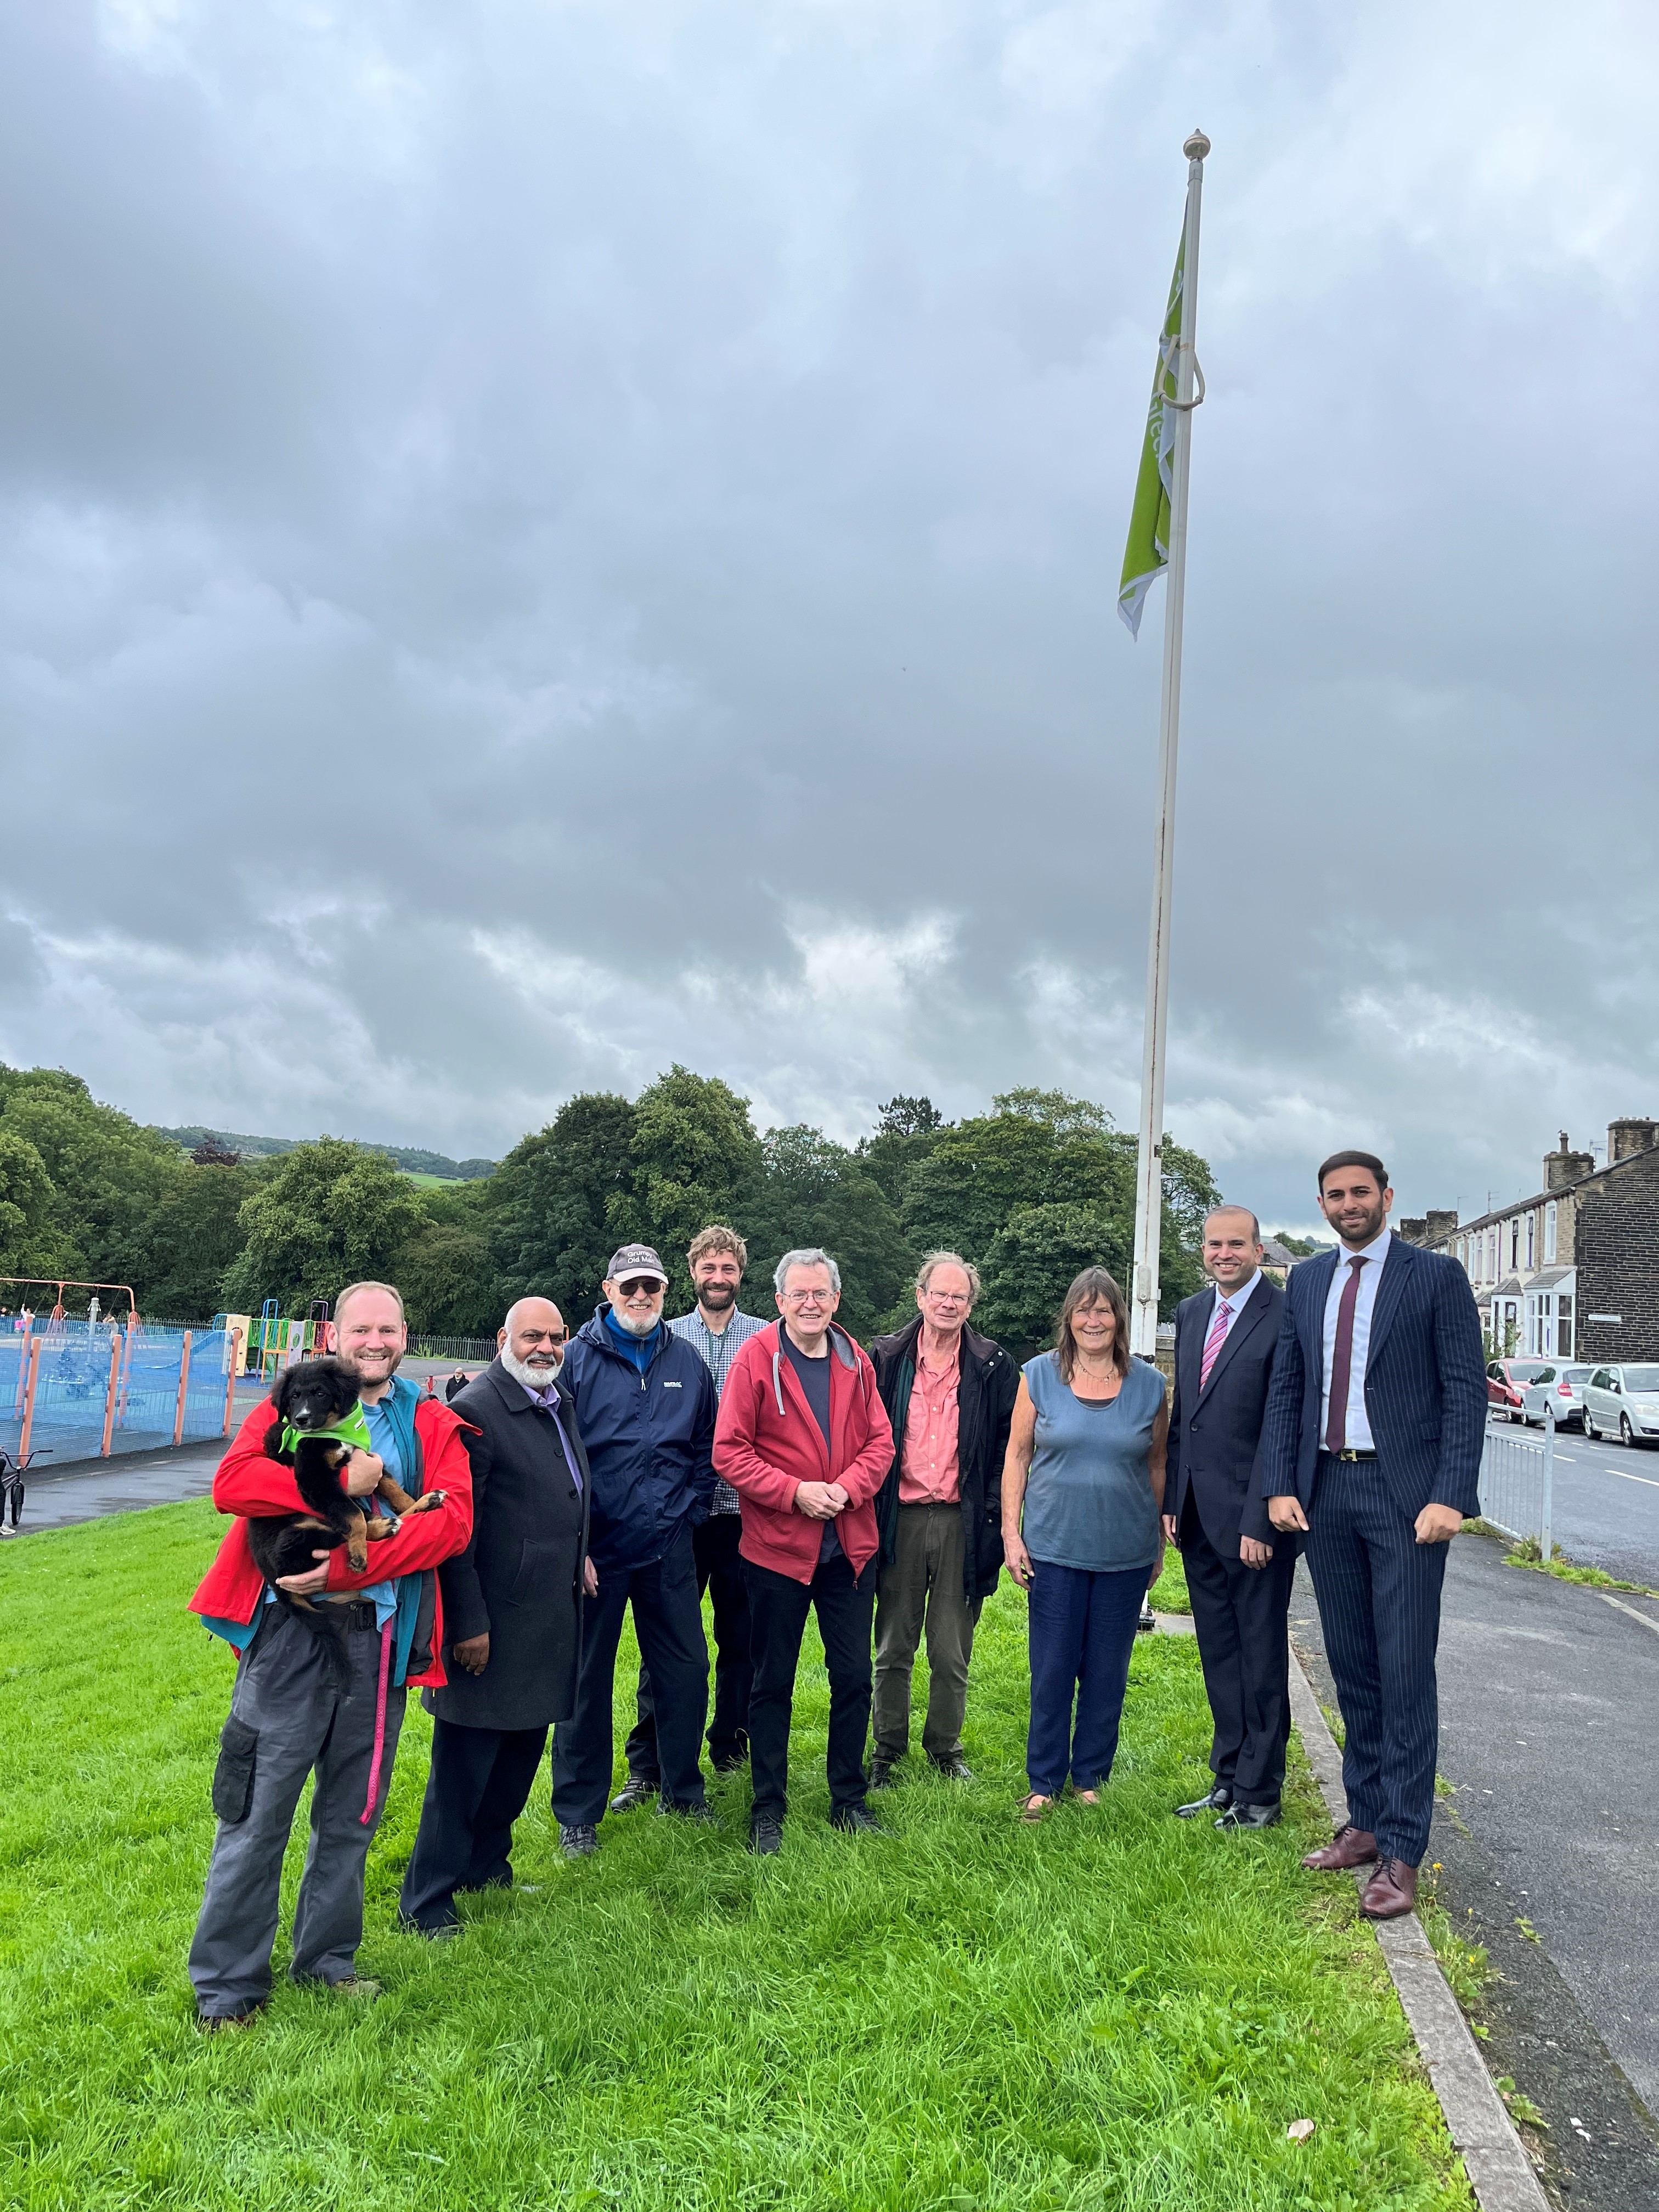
[1391,1891]
[1348,1847]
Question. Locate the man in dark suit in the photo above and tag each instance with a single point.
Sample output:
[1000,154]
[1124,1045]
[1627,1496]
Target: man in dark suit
[1238,1574]
[1377,1416]
[512,1605]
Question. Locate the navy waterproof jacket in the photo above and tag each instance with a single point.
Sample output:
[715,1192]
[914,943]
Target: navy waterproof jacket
[649,1439]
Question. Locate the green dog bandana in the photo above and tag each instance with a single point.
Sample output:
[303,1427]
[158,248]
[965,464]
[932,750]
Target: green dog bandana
[353,1430]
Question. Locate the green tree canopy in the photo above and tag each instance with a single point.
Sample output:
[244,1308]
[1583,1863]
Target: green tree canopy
[907,1131]
[330,1214]
[561,1201]
[816,1192]
[695,1159]
[1031,1264]
[108,1174]
[29,1243]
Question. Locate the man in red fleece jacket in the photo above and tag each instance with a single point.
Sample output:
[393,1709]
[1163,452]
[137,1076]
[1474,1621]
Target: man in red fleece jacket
[804,1439]
[322,1701]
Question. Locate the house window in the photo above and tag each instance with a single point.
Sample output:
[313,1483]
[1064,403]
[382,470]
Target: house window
[1564,1325]
[1515,1242]
[1549,1232]
[1532,1241]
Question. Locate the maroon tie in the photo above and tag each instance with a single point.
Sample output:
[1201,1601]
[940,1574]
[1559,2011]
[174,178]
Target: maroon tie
[1336,1425]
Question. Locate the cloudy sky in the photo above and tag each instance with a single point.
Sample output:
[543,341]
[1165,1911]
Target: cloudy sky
[540,538]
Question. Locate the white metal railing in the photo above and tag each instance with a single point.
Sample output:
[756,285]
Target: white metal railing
[1517,1483]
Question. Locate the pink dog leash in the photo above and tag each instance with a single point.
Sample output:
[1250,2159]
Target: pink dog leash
[368,1812]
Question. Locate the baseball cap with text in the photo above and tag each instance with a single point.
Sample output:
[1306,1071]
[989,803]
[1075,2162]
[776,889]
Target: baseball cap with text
[635,1259]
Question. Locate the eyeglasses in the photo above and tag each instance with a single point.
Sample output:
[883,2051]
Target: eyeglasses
[806,1298]
[641,1287]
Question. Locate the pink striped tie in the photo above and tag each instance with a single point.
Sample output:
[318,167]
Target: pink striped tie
[1213,1344]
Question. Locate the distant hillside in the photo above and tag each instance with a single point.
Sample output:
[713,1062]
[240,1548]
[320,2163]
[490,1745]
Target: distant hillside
[409,1158]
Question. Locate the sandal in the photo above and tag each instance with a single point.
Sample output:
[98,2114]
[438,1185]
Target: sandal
[1035,1807]
[1086,1797]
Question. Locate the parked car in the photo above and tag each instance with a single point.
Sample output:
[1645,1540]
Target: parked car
[1506,1379]
[1622,1401]
[1563,1388]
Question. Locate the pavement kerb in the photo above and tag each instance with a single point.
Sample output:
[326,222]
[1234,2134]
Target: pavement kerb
[1499,2171]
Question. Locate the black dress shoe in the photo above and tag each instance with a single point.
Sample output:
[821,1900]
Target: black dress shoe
[857,1820]
[1250,1816]
[1219,1799]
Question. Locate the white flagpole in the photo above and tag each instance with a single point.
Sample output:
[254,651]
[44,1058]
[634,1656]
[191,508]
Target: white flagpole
[1149,1166]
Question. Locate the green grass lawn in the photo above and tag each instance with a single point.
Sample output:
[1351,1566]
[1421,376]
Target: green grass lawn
[1112,2010]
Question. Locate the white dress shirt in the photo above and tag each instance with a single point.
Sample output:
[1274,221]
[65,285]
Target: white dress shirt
[1233,1304]
[1358,1435]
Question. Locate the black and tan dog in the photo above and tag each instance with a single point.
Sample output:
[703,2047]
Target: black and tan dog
[319,1423]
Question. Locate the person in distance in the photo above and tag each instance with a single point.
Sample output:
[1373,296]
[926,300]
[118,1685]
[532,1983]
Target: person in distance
[1371,1454]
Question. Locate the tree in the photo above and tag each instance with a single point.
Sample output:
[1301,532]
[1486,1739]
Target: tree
[817,1193]
[695,1159]
[907,1130]
[329,1214]
[109,1175]
[561,1201]
[29,1244]
[1035,1148]
[1031,1264]
[191,1238]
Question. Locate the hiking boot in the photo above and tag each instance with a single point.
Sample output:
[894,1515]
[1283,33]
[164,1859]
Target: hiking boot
[765,1836]
[580,1840]
[225,2023]
[881,1773]
[357,1988]
[954,1768]
[635,1792]
[703,1815]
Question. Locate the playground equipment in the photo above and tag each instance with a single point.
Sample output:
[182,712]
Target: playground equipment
[97,1386]
[271,1344]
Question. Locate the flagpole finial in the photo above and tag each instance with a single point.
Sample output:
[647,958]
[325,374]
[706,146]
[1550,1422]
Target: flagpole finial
[1196,147]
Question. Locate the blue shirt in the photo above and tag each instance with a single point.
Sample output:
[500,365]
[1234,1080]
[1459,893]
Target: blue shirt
[1089,1496]
[639,1349]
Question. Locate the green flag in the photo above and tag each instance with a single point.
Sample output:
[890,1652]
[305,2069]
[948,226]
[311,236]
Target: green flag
[1147,553]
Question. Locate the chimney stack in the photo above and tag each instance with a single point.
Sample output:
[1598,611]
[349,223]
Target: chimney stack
[1414,1228]
[1442,1222]
[1566,1166]
[1630,1136]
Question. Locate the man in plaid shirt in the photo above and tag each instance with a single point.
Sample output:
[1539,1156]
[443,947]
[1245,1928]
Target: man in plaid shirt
[717,1258]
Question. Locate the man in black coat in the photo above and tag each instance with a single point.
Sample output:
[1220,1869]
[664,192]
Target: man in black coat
[1239,1568]
[949,1396]
[513,1606]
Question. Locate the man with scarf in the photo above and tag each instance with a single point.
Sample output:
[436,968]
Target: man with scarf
[315,1699]
[512,1613]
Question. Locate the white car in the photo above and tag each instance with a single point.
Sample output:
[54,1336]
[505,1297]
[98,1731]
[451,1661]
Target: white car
[1563,1388]
[1622,1401]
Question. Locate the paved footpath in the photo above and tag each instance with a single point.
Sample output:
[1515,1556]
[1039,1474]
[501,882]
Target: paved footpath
[1549,1849]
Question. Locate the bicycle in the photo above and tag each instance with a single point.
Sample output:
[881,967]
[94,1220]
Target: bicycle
[12,1487]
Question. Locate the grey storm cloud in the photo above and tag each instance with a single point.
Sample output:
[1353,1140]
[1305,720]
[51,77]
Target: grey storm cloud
[539,541]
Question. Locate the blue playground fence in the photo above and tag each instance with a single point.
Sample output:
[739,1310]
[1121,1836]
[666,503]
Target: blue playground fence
[70,1393]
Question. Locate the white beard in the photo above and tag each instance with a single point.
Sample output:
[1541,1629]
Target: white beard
[533,1378]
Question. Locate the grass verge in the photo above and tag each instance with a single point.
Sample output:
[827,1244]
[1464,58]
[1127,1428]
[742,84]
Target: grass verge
[1111,2010]
[1528,1552]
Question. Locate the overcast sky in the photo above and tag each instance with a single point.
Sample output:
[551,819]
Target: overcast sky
[540,540]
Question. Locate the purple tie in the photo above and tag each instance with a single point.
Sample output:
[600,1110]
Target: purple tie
[1336,1427]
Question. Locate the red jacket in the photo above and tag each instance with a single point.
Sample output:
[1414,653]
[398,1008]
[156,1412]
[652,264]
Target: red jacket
[250,1482]
[766,1441]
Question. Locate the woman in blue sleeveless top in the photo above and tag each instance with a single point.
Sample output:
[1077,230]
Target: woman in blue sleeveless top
[1086,1463]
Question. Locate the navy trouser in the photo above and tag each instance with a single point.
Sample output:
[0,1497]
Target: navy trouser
[1240,1617]
[777,1606]
[480,1781]
[719,1569]
[1082,1630]
[1379,1602]
[668,1622]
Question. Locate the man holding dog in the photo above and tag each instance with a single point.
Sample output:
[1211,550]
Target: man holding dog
[644,1403]
[321,1700]
[512,1610]
[716,1259]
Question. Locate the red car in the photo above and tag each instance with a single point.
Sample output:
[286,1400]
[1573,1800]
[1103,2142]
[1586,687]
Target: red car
[1506,1380]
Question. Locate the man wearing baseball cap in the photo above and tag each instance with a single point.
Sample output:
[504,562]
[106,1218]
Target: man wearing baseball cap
[645,1408]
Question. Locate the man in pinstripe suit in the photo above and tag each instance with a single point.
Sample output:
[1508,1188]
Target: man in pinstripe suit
[1371,1450]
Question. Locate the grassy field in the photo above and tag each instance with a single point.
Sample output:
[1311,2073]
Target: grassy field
[1112,2010]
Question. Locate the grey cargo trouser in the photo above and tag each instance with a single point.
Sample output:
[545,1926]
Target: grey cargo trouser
[923,1582]
[288,1719]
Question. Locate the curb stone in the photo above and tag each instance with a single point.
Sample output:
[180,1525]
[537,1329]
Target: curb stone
[1494,2158]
